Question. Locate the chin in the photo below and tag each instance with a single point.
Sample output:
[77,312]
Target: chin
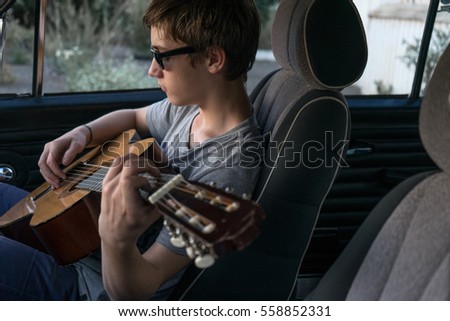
[178,101]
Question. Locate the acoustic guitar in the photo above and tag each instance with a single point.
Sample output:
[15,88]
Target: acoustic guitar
[207,221]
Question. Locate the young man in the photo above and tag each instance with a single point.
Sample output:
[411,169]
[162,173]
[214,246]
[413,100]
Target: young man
[202,50]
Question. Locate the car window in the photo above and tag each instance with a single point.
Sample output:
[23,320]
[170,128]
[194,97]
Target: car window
[16,74]
[102,45]
[95,46]
[98,45]
[394,29]
[439,41]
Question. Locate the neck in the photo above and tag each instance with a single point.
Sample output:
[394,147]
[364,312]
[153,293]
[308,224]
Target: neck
[227,108]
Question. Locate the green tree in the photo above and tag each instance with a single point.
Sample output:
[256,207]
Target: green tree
[23,12]
[439,41]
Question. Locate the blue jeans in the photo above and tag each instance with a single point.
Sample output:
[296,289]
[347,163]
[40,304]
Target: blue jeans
[9,196]
[26,273]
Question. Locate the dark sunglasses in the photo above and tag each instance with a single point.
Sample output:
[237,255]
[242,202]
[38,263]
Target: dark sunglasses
[159,56]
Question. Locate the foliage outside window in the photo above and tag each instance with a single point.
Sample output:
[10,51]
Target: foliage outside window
[91,45]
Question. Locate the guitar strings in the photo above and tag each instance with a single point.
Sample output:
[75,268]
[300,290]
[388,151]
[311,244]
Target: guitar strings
[90,177]
[76,174]
[82,172]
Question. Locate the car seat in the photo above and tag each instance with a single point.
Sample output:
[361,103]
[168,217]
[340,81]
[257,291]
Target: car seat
[402,250]
[321,48]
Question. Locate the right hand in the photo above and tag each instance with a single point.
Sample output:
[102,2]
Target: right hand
[62,151]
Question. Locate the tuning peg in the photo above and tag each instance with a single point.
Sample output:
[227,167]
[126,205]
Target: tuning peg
[246,196]
[200,195]
[204,261]
[177,241]
[170,228]
[229,189]
[209,228]
[232,207]
[190,252]
[212,184]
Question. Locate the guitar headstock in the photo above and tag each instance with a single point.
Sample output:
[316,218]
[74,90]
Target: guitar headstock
[207,221]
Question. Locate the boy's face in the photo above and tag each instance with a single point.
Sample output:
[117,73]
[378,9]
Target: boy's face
[180,80]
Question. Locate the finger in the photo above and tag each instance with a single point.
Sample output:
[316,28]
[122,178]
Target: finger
[110,184]
[46,172]
[50,178]
[136,165]
[129,174]
[53,164]
[74,149]
[114,170]
[55,152]
[132,187]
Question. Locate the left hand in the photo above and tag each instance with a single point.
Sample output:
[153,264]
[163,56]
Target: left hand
[125,215]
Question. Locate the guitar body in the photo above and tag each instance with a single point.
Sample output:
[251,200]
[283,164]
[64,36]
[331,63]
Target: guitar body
[63,221]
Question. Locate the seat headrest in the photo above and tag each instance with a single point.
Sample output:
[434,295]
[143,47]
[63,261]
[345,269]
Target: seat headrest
[434,120]
[329,33]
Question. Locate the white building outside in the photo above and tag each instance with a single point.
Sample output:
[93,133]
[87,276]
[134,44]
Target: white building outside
[389,23]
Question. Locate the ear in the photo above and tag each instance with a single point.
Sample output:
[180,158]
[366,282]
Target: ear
[216,59]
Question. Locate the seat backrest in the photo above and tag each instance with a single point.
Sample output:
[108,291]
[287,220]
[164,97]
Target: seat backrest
[402,250]
[320,46]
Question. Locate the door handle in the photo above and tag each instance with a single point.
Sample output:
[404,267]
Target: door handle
[7,173]
[359,150]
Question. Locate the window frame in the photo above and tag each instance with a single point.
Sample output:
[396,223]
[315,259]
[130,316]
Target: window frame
[424,48]
[39,46]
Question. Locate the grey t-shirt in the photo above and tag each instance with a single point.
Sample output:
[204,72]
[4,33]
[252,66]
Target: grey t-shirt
[230,160]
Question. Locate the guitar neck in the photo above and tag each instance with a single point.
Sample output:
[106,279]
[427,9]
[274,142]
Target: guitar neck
[93,182]
[207,221]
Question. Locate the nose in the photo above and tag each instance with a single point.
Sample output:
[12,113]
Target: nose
[154,70]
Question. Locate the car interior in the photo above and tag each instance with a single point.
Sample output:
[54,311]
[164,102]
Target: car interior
[354,186]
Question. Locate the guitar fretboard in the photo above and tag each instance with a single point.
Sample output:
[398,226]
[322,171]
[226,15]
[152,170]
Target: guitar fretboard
[94,181]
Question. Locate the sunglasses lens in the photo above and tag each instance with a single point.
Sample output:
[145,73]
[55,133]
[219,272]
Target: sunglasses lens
[160,63]
[157,58]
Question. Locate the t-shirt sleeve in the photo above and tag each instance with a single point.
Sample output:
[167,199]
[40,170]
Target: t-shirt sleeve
[159,118]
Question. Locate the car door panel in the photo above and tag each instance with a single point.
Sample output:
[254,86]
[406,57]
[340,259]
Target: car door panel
[384,149]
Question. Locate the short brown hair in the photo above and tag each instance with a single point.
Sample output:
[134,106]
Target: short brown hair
[233,25]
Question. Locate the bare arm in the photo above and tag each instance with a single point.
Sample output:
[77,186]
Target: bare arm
[64,149]
[112,124]
[128,275]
